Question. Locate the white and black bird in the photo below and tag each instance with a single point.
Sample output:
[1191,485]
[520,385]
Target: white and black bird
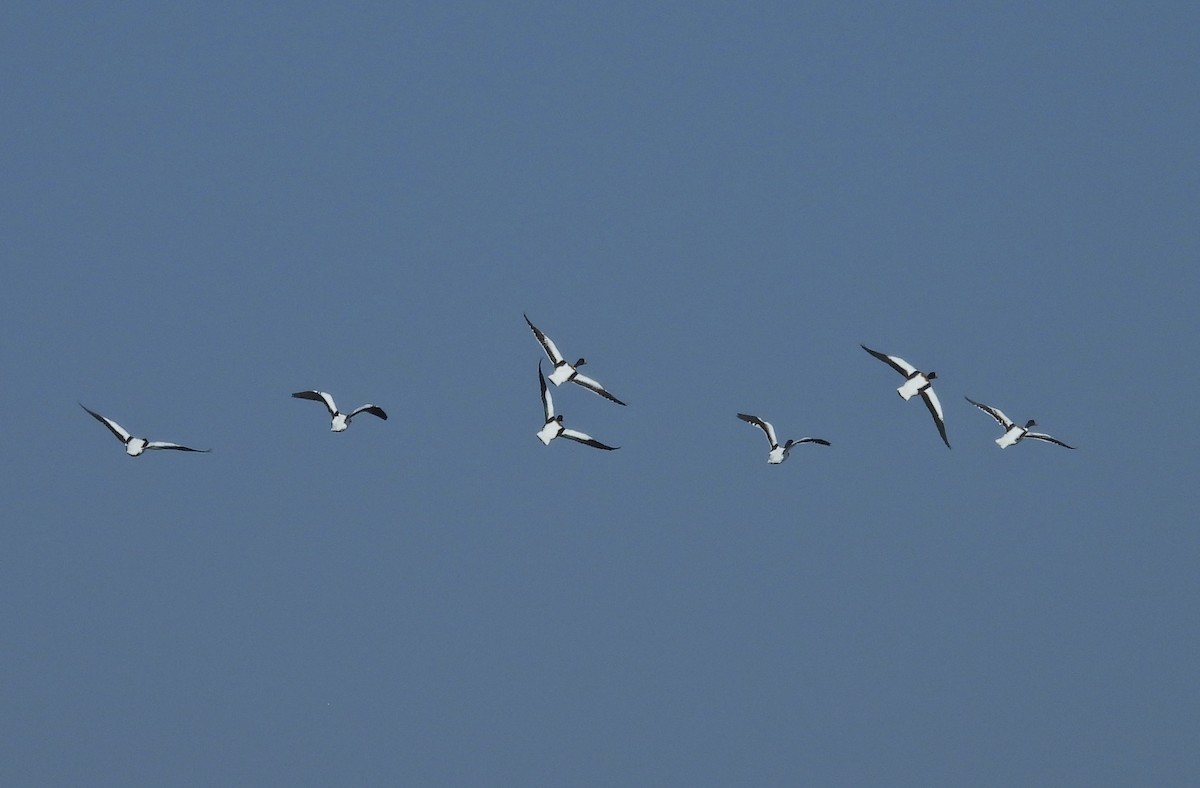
[916,382]
[564,371]
[340,420]
[1013,432]
[135,446]
[553,427]
[778,453]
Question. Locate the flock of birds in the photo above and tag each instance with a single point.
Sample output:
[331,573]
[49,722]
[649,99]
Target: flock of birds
[916,383]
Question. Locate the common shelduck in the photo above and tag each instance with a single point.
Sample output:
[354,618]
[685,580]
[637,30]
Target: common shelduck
[778,453]
[135,446]
[563,370]
[1013,432]
[916,382]
[340,420]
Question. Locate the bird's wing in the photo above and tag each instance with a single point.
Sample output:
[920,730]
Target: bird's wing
[113,427]
[318,396]
[547,343]
[175,446]
[995,413]
[821,441]
[374,410]
[895,362]
[935,410]
[588,440]
[592,385]
[547,399]
[765,426]
[1038,436]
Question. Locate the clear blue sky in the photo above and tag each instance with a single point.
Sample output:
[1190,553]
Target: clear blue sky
[204,210]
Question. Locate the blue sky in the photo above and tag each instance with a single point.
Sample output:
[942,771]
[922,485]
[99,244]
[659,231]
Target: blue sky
[208,209]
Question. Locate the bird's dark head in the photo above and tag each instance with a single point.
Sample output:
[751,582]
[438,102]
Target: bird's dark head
[581,362]
[1030,423]
[931,376]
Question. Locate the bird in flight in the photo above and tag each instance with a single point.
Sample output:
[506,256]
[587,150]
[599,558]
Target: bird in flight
[778,453]
[135,446]
[564,371]
[916,382]
[340,420]
[1014,433]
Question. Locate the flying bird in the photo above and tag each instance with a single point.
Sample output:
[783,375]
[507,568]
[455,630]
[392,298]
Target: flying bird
[1013,432]
[340,420]
[778,453]
[563,370]
[916,382]
[135,446]
[553,427]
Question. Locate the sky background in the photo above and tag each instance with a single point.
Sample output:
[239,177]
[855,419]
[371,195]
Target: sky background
[206,209]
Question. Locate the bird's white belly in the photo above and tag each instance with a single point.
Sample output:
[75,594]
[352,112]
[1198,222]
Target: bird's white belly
[561,374]
[339,423]
[1013,435]
[549,432]
[135,446]
[777,455]
[912,387]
